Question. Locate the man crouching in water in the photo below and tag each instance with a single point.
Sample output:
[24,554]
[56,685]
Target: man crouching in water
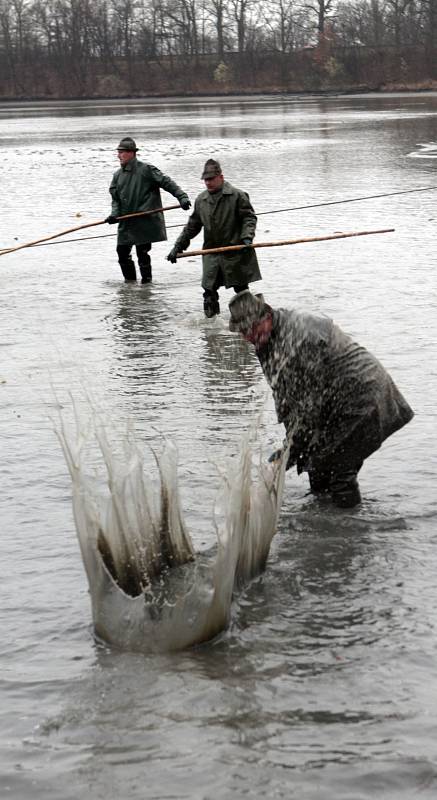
[336,400]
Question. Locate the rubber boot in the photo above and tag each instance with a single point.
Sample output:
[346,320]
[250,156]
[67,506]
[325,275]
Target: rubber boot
[126,263]
[146,274]
[345,490]
[144,262]
[129,271]
[211,305]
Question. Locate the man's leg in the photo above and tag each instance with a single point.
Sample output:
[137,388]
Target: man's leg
[126,263]
[241,288]
[211,305]
[347,461]
[144,261]
[345,489]
[320,481]
[338,476]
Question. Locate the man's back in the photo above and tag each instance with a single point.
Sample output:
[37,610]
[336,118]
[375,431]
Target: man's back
[324,381]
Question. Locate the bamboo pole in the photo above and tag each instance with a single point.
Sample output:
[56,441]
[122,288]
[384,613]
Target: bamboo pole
[277,244]
[88,225]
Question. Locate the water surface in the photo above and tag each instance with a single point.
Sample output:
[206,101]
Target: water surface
[325,685]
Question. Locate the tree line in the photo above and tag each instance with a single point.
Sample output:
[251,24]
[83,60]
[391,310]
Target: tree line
[107,48]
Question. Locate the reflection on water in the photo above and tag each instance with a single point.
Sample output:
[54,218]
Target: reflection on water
[139,324]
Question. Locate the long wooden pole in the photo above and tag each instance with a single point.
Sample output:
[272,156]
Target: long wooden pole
[231,247]
[88,225]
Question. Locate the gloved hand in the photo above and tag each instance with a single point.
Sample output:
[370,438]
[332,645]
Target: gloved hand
[185,203]
[247,244]
[277,454]
[173,255]
[111,220]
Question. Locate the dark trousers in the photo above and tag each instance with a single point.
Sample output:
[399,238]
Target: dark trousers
[337,472]
[340,480]
[213,293]
[127,265]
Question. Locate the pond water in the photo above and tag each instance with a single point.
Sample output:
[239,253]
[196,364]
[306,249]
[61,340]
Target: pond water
[325,684]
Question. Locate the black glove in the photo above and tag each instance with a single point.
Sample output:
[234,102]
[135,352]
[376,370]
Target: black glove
[247,244]
[185,203]
[111,220]
[173,255]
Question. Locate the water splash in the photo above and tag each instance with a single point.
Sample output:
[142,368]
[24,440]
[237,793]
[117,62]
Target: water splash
[150,591]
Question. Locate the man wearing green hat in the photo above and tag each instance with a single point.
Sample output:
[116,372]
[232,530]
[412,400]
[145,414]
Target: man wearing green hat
[136,187]
[227,217]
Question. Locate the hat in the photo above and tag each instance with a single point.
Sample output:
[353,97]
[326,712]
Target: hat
[211,169]
[128,145]
[247,308]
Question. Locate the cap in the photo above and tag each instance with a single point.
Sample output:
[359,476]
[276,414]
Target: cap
[128,145]
[247,308]
[211,169]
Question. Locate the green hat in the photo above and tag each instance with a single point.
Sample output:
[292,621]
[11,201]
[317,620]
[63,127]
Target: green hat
[211,169]
[247,308]
[127,144]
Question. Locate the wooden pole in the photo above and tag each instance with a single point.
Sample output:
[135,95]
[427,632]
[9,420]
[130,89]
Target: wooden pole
[278,244]
[81,227]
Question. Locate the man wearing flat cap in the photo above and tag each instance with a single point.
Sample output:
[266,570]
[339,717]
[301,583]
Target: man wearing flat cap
[336,400]
[136,187]
[227,218]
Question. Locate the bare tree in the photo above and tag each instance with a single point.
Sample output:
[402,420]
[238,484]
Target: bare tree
[321,9]
[217,12]
[396,13]
[239,11]
[279,22]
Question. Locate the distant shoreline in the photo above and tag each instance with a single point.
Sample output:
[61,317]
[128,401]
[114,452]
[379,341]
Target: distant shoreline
[423,87]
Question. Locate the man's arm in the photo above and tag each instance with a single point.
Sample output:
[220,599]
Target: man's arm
[191,229]
[113,190]
[247,216]
[169,185]
[295,368]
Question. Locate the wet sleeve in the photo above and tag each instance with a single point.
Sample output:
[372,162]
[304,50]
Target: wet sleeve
[191,229]
[306,419]
[166,183]
[247,216]
[113,190]
[298,386]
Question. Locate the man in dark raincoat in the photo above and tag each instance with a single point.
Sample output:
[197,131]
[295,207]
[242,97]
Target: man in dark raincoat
[227,217]
[336,400]
[135,187]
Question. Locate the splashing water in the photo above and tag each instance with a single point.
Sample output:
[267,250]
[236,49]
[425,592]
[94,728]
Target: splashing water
[150,591]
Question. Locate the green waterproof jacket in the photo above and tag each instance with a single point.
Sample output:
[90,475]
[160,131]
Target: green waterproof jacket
[226,217]
[135,187]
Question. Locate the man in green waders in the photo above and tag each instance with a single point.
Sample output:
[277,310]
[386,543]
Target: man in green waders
[135,187]
[226,215]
